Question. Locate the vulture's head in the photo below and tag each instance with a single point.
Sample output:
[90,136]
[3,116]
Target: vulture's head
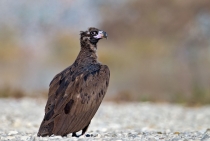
[92,36]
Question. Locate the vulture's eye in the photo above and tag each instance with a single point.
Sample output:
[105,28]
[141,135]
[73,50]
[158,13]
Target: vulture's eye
[93,33]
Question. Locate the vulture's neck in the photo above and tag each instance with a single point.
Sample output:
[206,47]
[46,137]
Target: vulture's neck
[87,54]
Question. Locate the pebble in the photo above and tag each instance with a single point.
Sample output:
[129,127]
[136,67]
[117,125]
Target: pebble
[20,120]
[25,138]
[12,133]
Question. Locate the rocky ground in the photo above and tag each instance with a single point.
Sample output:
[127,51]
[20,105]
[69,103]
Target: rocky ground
[20,119]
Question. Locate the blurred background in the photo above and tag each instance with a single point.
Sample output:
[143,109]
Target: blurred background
[157,50]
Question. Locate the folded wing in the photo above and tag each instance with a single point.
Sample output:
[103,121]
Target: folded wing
[73,99]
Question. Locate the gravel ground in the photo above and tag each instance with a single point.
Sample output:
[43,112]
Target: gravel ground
[20,120]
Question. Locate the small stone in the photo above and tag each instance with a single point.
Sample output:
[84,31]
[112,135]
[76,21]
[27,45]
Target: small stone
[94,135]
[114,135]
[206,136]
[131,135]
[55,137]
[104,129]
[177,133]
[83,136]
[24,138]
[29,124]
[10,138]
[12,133]
[152,139]
[17,123]
[43,138]
[207,132]
[168,130]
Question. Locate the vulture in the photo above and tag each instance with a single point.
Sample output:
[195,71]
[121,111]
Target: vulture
[76,93]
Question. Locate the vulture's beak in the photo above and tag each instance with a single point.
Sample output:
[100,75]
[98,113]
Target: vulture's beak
[105,35]
[101,34]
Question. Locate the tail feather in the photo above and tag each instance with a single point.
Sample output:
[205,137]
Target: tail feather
[45,130]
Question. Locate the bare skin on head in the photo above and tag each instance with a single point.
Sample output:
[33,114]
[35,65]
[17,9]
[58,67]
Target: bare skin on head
[76,93]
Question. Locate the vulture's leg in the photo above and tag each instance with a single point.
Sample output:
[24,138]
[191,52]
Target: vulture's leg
[74,134]
[83,131]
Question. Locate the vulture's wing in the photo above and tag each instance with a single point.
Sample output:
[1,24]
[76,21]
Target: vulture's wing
[73,99]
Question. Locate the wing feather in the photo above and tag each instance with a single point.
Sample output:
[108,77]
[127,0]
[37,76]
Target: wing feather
[73,99]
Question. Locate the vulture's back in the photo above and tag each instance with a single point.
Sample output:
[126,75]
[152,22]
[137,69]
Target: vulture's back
[74,96]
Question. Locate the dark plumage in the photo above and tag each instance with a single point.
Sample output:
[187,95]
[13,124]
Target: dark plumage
[76,93]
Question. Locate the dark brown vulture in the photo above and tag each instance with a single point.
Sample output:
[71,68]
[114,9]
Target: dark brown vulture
[76,93]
